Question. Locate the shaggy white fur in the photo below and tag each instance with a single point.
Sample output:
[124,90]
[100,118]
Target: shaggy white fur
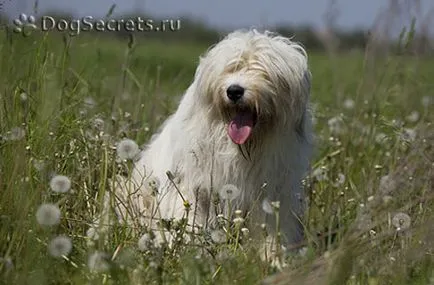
[244,121]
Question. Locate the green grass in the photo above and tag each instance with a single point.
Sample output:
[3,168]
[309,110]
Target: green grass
[52,89]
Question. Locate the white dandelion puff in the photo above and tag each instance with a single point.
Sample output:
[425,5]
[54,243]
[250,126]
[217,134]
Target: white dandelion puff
[303,251]
[336,125]
[16,134]
[427,100]
[380,138]
[39,165]
[320,174]
[60,245]
[413,117]
[89,102]
[7,261]
[153,264]
[401,221]
[218,236]
[92,233]
[98,124]
[23,97]
[349,104]
[98,261]
[229,192]
[144,242]
[387,184]
[48,215]
[266,206]
[408,135]
[397,123]
[340,180]
[127,149]
[60,184]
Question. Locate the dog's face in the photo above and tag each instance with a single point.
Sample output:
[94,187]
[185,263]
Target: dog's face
[255,83]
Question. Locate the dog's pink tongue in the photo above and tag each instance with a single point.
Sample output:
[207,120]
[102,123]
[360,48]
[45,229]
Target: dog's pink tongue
[240,127]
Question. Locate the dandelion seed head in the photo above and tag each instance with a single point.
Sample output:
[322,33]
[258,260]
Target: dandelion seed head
[23,97]
[153,264]
[48,215]
[39,165]
[60,184]
[336,125]
[380,138]
[15,134]
[320,174]
[340,180]
[303,251]
[60,245]
[82,113]
[229,192]
[427,101]
[98,124]
[413,117]
[266,206]
[125,96]
[89,102]
[218,236]
[387,184]
[144,242]
[127,149]
[98,261]
[401,221]
[408,135]
[92,233]
[7,261]
[349,104]
[397,123]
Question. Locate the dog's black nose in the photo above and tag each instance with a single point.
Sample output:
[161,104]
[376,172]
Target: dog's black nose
[235,92]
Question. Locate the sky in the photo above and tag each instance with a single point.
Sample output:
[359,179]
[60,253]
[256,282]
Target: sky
[228,14]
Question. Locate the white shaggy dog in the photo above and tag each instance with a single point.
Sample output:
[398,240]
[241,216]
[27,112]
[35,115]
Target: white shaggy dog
[243,122]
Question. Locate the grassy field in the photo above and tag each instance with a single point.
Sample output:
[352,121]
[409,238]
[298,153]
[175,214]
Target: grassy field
[66,102]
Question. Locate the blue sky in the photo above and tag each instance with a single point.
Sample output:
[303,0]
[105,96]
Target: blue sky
[227,13]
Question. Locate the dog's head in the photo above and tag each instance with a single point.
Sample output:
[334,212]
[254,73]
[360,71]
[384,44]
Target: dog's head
[255,82]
